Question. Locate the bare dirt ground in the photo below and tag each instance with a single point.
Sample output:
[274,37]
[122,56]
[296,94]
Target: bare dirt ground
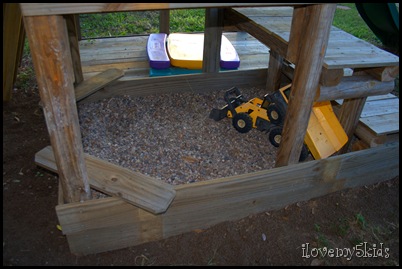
[351,227]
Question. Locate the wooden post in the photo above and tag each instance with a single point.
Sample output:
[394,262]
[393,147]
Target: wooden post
[77,26]
[49,43]
[212,40]
[349,116]
[274,71]
[74,47]
[13,46]
[313,38]
[296,34]
[164,21]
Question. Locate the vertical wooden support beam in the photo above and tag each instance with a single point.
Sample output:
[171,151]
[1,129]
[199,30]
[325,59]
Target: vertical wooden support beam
[212,40]
[314,37]
[274,71]
[49,43]
[295,37]
[13,46]
[74,48]
[77,26]
[349,116]
[164,21]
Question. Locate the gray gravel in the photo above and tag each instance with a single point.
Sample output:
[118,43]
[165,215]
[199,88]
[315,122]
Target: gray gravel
[170,136]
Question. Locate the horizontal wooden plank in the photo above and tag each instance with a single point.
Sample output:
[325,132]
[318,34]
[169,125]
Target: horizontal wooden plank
[95,83]
[374,166]
[362,60]
[380,107]
[183,83]
[354,87]
[270,12]
[380,115]
[114,214]
[382,124]
[129,74]
[124,55]
[383,73]
[371,139]
[372,98]
[140,41]
[135,188]
[129,54]
[343,51]
[100,67]
[381,97]
[203,204]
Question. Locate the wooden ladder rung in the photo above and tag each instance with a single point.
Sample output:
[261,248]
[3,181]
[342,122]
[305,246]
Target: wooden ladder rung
[97,82]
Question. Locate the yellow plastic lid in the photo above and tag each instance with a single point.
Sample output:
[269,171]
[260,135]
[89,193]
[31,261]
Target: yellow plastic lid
[186,50]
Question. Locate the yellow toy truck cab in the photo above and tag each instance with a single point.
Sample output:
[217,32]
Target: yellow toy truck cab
[324,135]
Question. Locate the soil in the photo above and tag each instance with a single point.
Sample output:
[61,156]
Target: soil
[357,226]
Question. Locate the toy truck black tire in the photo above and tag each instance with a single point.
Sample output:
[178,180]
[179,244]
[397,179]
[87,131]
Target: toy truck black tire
[242,122]
[275,114]
[275,137]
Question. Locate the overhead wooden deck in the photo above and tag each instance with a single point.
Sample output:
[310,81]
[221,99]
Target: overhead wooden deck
[344,51]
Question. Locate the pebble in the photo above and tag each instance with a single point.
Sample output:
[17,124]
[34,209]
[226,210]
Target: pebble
[161,135]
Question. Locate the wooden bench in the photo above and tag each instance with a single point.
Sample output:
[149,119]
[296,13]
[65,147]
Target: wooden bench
[379,121]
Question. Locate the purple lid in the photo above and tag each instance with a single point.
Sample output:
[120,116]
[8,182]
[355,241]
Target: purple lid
[229,57]
[156,49]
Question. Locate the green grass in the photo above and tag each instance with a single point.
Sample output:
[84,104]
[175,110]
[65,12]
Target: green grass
[139,22]
[193,20]
[350,21]
[118,24]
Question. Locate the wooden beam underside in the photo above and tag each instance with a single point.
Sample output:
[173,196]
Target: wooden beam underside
[35,9]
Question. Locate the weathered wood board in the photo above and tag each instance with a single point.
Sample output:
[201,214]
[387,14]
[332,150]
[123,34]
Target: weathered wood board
[110,223]
[97,82]
[380,114]
[35,9]
[129,54]
[138,189]
[130,219]
[344,50]
[13,45]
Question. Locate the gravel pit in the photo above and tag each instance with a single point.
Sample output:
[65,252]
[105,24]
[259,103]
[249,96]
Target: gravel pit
[170,136]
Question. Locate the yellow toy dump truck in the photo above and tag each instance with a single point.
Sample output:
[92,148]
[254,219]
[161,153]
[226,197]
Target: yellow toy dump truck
[324,135]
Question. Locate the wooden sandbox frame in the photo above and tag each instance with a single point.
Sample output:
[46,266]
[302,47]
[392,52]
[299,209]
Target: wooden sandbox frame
[112,223]
[142,209]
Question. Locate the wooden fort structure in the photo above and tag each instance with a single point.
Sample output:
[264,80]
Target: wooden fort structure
[278,41]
